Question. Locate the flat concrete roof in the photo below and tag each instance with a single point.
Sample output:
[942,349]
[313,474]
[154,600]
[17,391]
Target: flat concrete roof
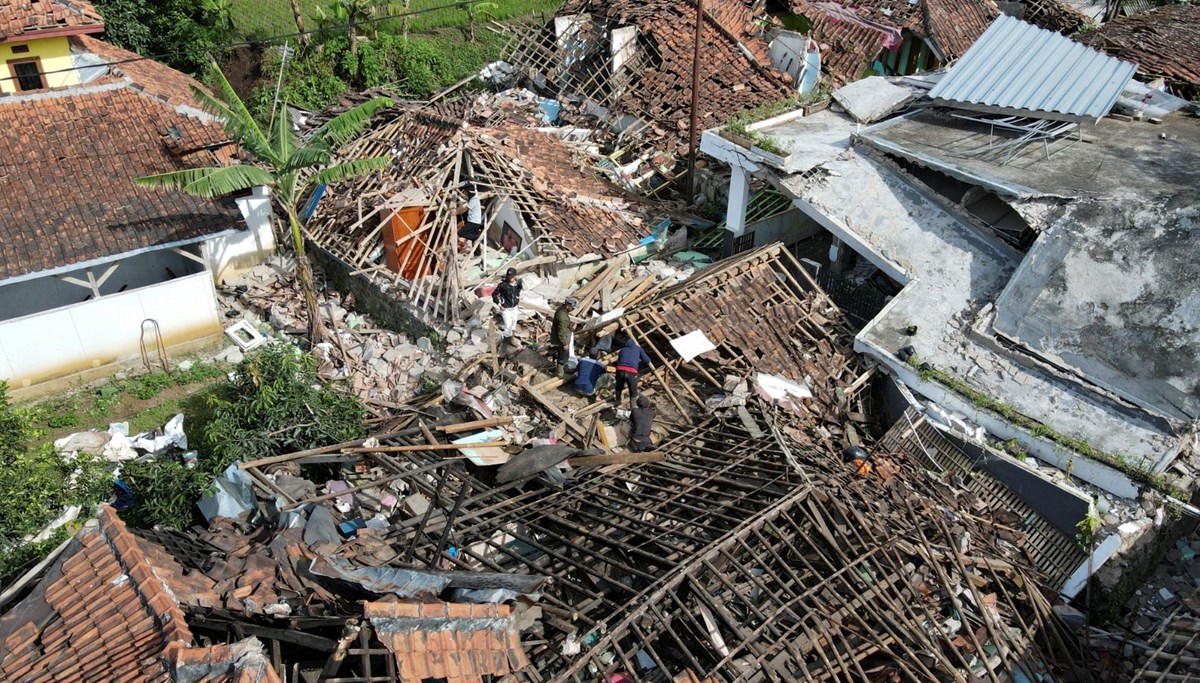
[1112,290]
[1115,159]
[811,139]
[954,268]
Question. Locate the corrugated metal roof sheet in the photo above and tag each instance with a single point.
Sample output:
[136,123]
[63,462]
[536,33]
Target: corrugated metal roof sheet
[1019,68]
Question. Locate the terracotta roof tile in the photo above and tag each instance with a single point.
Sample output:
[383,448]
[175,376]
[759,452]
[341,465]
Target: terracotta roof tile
[1164,43]
[78,152]
[96,619]
[447,640]
[25,19]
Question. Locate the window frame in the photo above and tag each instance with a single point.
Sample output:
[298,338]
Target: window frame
[41,74]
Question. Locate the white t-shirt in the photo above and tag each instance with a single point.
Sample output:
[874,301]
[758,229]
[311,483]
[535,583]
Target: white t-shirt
[474,210]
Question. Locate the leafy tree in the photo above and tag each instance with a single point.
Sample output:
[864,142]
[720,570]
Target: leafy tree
[167,27]
[349,14]
[474,9]
[289,169]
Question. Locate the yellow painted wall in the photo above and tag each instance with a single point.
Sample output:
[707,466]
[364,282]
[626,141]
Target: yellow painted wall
[55,54]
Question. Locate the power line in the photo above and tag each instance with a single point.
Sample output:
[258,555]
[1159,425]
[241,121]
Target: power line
[257,41]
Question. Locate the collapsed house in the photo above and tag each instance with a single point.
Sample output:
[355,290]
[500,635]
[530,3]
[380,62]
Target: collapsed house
[742,547]
[1031,257]
[540,206]
[627,67]
[1164,43]
[103,611]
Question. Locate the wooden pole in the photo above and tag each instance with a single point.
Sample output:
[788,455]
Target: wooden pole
[694,133]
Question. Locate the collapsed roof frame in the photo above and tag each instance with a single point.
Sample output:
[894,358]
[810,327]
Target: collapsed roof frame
[727,561]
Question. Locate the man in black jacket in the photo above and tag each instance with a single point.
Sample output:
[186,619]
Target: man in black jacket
[508,297]
[641,422]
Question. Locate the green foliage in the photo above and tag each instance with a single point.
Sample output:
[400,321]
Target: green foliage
[19,559]
[36,484]
[167,27]
[1088,526]
[149,385]
[278,406]
[740,124]
[166,492]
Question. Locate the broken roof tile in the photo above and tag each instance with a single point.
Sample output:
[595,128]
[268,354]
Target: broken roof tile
[32,19]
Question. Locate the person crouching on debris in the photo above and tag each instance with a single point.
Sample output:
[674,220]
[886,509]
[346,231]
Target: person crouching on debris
[641,422]
[591,376]
[508,297]
[629,360]
[560,335]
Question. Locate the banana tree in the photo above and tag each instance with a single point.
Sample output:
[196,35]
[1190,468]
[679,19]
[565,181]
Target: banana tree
[288,169]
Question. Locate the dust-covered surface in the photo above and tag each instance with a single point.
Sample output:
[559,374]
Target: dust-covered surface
[1113,292]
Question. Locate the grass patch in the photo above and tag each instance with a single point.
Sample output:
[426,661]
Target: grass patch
[263,18]
[740,124]
[119,399]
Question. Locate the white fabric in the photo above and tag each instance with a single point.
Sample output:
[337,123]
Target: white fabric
[692,344]
[509,315]
[474,209]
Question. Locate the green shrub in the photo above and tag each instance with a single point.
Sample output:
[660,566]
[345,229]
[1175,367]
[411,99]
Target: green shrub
[165,490]
[36,484]
[149,385]
[278,406]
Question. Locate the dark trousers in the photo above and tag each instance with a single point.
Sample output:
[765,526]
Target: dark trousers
[627,379]
[640,444]
[560,353]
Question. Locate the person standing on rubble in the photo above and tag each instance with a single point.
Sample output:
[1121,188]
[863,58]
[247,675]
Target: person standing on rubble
[508,297]
[629,362]
[641,422]
[473,224]
[560,335]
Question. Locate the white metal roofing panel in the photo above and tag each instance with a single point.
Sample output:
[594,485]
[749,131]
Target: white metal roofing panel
[1018,67]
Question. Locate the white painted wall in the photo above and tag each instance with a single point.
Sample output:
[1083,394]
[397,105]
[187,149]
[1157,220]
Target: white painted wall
[47,345]
[505,213]
[787,52]
[233,254]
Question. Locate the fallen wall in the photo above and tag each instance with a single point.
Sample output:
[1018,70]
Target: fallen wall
[392,313]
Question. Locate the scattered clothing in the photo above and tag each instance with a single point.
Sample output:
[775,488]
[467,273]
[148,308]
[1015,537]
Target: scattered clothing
[642,422]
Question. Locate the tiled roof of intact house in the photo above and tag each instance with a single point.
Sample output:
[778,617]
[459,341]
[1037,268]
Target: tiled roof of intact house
[71,158]
[101,614]
[30,19]
[1164,43]
[460,643]
[155,78]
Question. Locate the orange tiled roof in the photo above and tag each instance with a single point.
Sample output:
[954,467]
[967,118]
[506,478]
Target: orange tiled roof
[102,614]
[71,157]
[460,643]
[154,78]
[99,614]
[29,19]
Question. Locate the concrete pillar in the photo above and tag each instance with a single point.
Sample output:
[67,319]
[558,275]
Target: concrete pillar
[735,211]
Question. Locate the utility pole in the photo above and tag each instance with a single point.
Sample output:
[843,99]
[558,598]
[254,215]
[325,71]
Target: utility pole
[695,134]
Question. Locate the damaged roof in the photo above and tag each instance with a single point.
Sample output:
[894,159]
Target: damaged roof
[655,86]
[1164,43]
[569,208]
[102,613]
[80,160]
